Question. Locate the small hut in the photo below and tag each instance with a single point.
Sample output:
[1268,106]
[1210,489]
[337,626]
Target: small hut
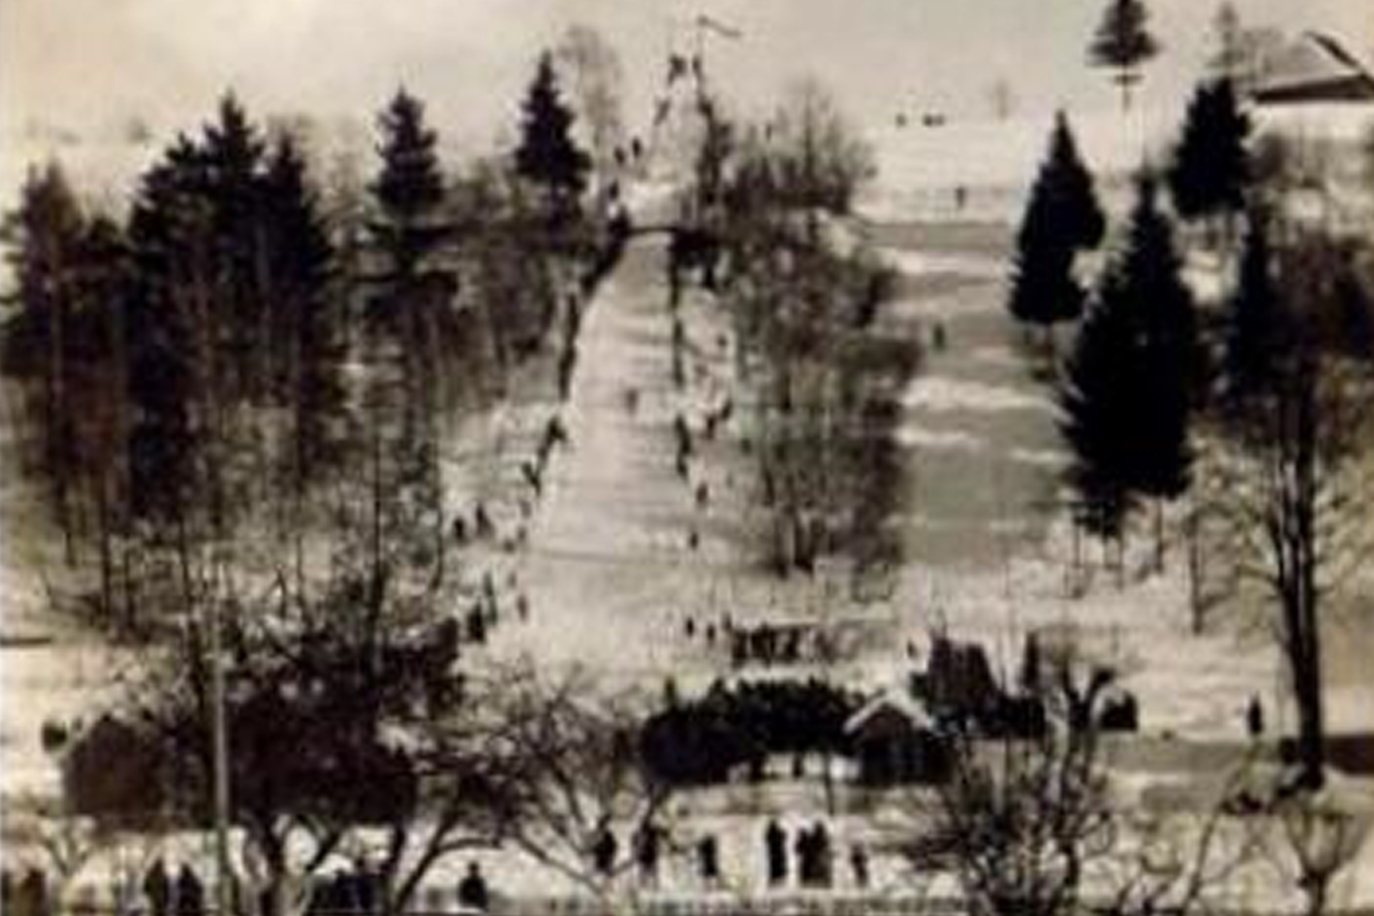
[895,742]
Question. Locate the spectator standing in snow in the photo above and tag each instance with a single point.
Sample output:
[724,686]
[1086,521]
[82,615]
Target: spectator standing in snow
[604,852]
[472,890]
[190,893]
[646,853]
[157,887]
[858,861]
[708,860]
[775,844]
[1254,718]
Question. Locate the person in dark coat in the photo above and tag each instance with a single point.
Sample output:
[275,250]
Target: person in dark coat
[190,893]
[802,847]
[824,856]
[1254,718]
[708,860]
[858,861]
[472,890]
[482,521]
[647,842]
[775,844]
[157,887]
[604,852]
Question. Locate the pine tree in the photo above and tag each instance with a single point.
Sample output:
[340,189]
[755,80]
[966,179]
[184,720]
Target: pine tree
[409,189]
[1062,218]
[307,323]
[411,229]
[45,234]
[1170,356]
[101,388]
[1210,169]
[547,154]
[1257,325]
[170,233]
[1099,393]
[1123,43]
[1133,379]
[1146,337]
[233,157]
[1172,364]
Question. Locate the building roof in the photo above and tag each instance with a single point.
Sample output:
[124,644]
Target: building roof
[898,701]
[1314,68]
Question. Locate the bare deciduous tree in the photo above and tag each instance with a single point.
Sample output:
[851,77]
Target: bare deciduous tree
[1293,485]
[1032,826]
[581,779]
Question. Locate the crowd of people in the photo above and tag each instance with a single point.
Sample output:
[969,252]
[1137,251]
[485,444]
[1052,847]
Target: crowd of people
[806,859]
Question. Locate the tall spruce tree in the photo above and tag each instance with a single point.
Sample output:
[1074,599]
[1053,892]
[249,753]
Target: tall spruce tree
[1099,394]
[307,322]
[547,154]
[170,233]
[409,189]
[1123,43]
[1257,326]
[411,229]
[1133,378]
[1210,169]
[233,155]
[1170,360]
[1062,218]
[44,235]
[101,388]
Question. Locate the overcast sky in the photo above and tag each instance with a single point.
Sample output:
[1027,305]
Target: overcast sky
[90,63]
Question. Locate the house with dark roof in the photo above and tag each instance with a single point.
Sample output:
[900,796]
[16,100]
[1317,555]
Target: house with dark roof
[895,741]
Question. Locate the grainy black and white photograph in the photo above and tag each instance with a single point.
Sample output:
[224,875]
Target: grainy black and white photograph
[686,457]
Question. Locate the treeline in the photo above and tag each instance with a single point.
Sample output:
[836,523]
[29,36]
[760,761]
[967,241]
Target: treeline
[245,346]
[821,372]
[238,400]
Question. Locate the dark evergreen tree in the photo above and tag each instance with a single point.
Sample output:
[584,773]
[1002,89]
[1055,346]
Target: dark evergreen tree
[307,326]
[171,238]
[409,189]
[233,156]
[1099,393]
[1210,168]
[1134,378]
[1170,363]
[409,312]
[44,235]
[411,228]
[1257,326]
[547,154]
[1062,218]
[101,388]
[1123,43]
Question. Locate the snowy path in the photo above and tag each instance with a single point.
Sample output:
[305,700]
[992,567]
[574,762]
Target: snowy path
[607,568]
